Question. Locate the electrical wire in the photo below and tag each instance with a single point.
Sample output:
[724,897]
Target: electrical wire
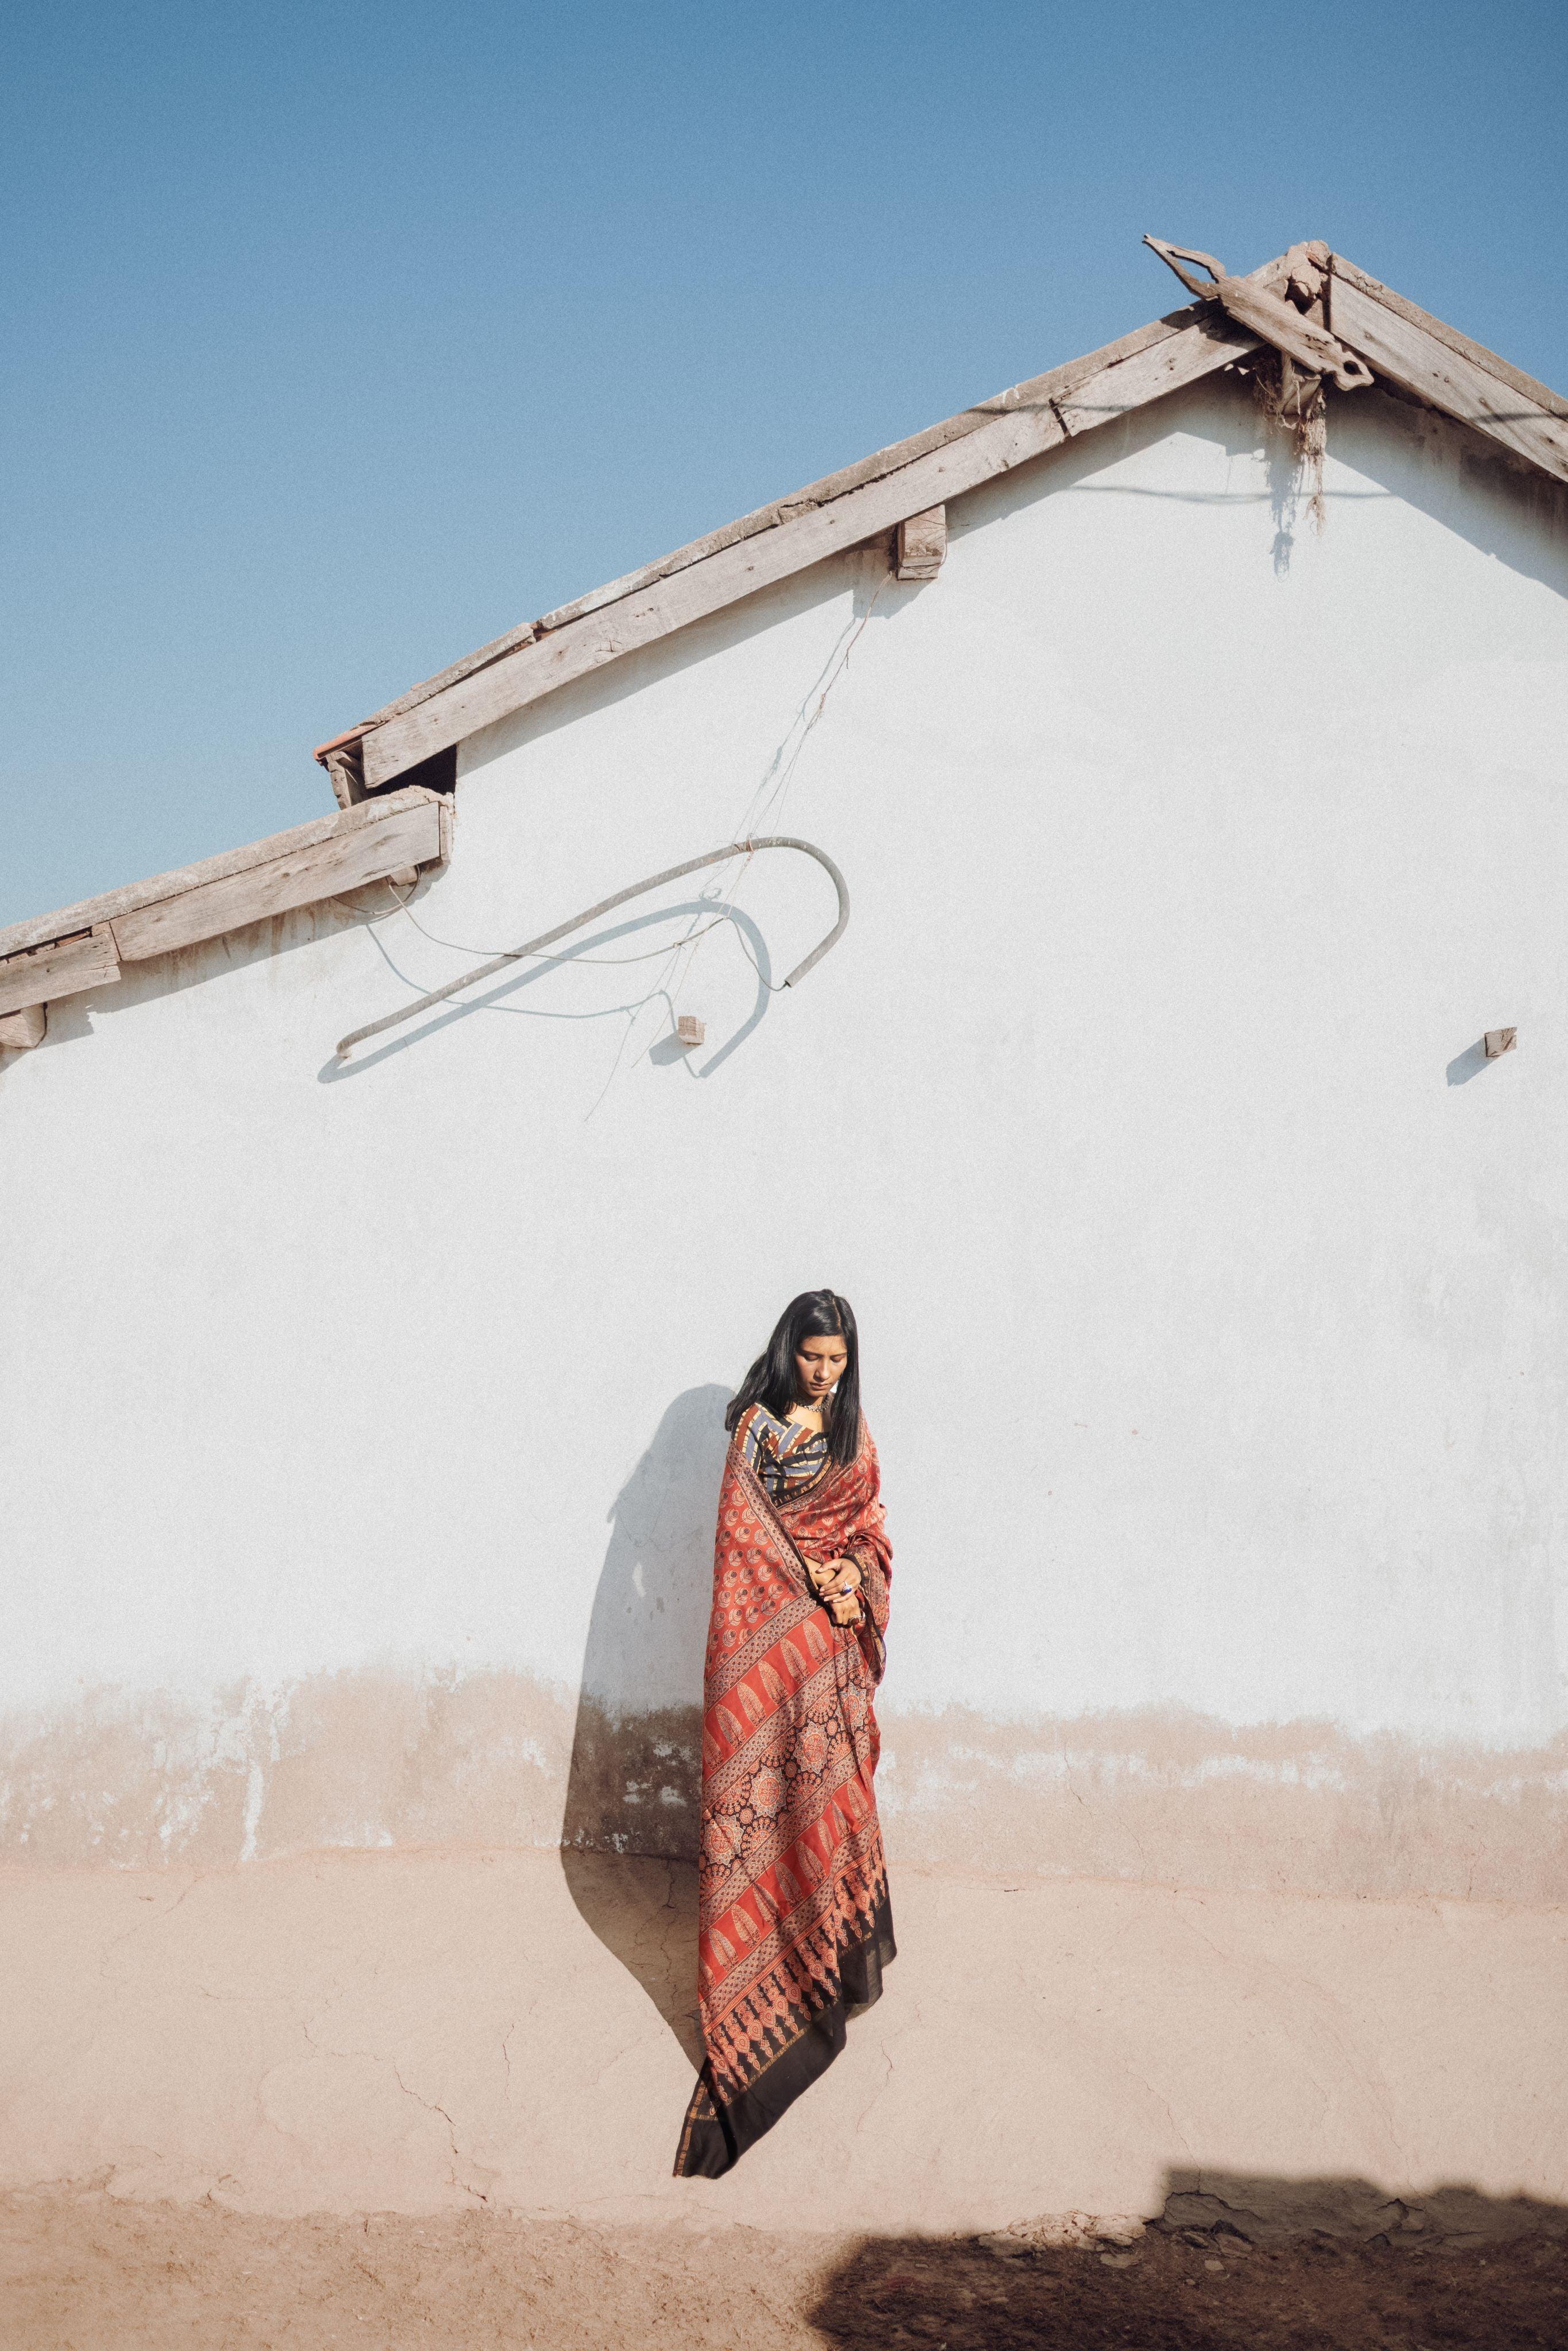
[762,803]
[539,954]
[724,856]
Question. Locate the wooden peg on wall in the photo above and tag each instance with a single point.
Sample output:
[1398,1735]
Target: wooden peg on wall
[922,544]
[1500,1040]
[20,1032]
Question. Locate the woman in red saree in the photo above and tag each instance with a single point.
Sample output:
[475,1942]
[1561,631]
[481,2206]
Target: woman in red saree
[795,1927]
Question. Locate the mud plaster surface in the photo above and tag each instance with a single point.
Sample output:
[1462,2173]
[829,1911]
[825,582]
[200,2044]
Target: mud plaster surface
[80,2273]
[360,1760]
[459,2030]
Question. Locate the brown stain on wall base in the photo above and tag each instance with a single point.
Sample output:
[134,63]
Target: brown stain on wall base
[1157,1795]
[1164,1795]
[335,1759]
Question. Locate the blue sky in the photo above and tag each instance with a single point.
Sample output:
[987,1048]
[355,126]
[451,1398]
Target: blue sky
[339,338]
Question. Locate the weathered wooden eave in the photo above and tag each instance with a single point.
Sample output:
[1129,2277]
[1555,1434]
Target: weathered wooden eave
[875,467]
[89,945]
[860,502]
[1434,363]
[1424,358]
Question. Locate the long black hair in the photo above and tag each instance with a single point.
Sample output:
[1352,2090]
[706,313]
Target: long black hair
[772,1381]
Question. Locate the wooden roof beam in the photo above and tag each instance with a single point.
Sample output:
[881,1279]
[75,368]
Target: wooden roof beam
[64,967]
[1446,370]
[87,945]
[1072,401]
[533,659]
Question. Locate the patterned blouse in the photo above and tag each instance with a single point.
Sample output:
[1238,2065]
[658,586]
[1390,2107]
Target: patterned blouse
[785,1454]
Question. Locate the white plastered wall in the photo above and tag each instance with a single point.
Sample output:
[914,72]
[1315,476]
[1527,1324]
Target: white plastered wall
[1210,1296]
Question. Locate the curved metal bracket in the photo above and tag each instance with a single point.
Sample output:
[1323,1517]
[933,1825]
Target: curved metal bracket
[548,939]
[1173,256]
[1274,321]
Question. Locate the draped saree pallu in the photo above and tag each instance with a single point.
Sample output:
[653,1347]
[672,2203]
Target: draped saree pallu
[794,1925]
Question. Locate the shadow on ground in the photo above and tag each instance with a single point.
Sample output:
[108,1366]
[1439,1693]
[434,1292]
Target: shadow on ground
[80,2269]
[1234,2263]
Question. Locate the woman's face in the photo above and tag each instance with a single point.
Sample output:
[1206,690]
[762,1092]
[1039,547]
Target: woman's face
[818,1365]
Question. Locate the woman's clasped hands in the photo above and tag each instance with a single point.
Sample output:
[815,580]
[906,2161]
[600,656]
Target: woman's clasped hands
[838,1583]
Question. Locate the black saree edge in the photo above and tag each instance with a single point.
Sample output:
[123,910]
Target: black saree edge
[713,2141]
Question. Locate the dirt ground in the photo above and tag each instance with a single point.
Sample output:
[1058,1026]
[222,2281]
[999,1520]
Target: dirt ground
[86,2274]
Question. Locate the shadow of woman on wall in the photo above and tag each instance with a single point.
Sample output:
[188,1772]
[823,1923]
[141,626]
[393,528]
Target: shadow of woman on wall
[629,1843]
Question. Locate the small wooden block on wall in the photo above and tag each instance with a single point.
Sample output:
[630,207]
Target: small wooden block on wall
[58,968]
[20,1032]
[1500,1040]
[922,544]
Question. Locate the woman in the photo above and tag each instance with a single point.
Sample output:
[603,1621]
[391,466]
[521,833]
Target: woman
[795,1928]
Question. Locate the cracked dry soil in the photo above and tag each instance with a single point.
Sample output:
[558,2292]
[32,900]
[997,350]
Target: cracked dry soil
[83,2272]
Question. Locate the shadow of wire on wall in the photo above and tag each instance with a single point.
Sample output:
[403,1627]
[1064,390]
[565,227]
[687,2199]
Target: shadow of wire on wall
[629,1842]
[538,973]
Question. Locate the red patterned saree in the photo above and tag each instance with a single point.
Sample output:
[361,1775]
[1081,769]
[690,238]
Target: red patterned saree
[795,1924]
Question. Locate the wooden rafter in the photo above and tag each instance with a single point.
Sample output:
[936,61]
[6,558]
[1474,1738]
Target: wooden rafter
[1406,345]
[1055,383]
[1060,406]
[1447,371]
[87,946]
